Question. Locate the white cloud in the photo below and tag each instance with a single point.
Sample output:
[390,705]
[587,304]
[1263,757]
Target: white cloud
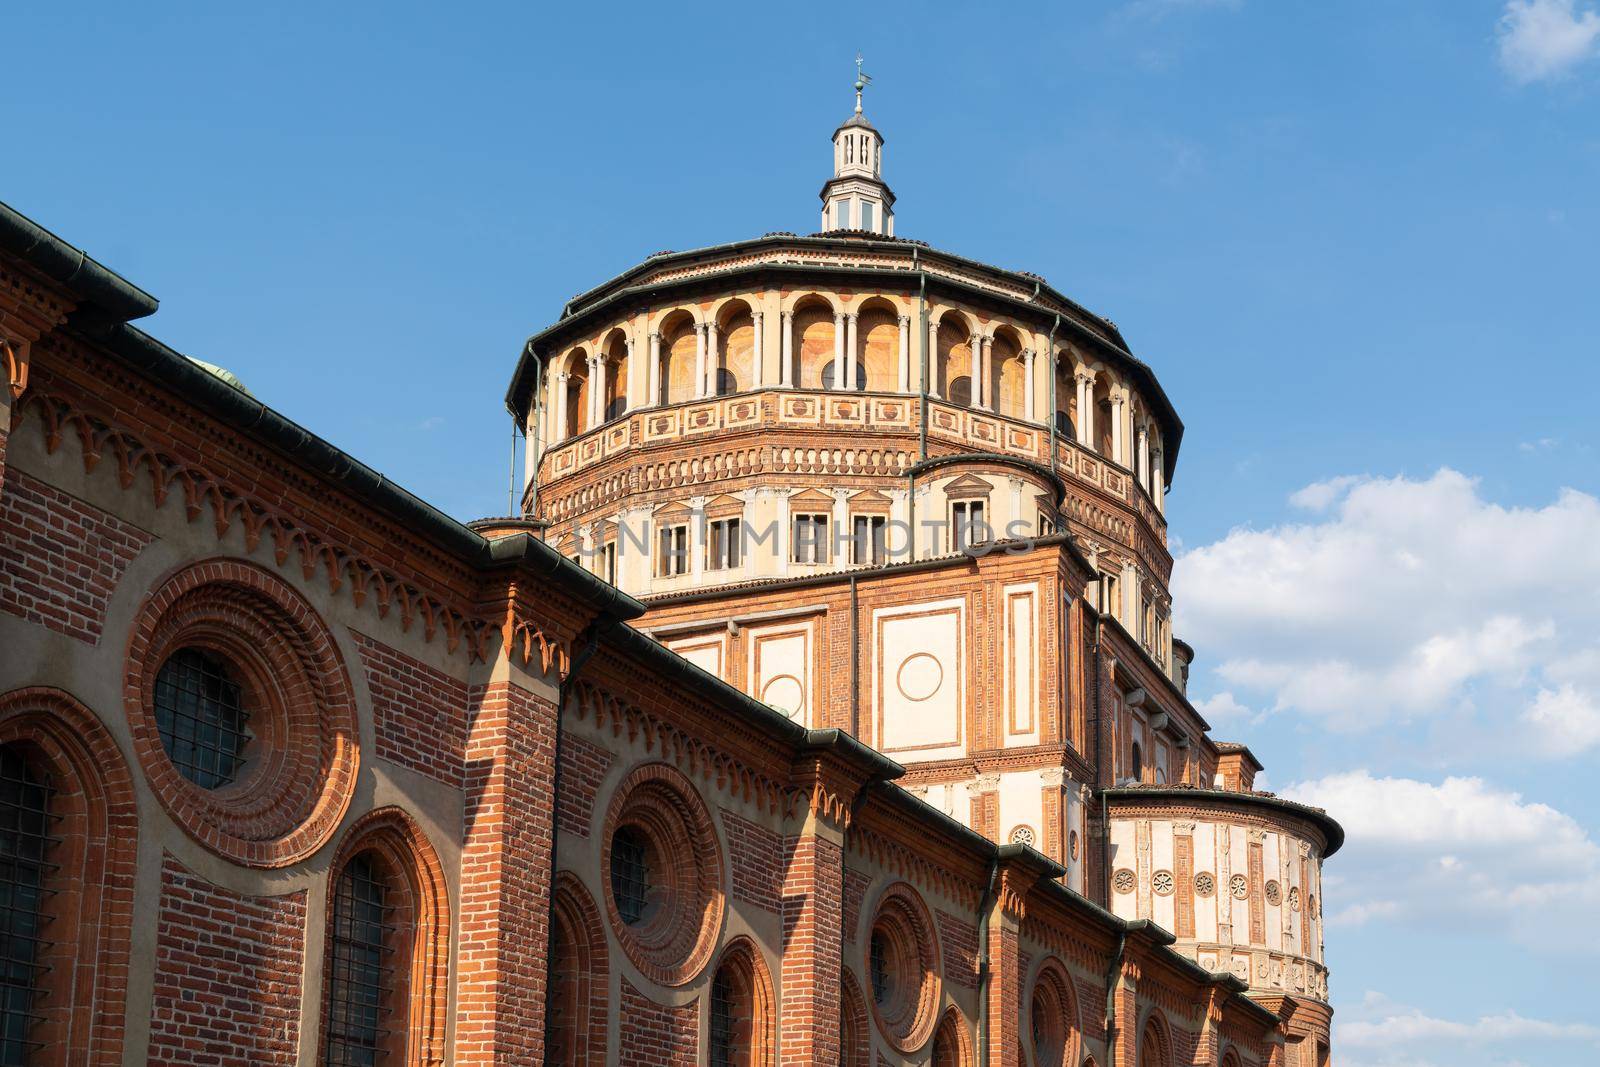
[1458,854]
[1223,709]
[1566,720]
[1392,1033]
[1541,40]
[1402,598]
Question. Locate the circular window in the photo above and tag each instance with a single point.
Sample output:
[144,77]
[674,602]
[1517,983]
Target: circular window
[1022,835]
[903,968]
[1294,898]
[1124,880]
[1274,894]
[1205,884]
[662,869]
[1238,886]
[241,713]
[201,717]
[1162,883]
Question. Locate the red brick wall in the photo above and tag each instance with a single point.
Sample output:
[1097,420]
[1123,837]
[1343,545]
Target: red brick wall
[812,913]
[583,767]
[755,854]
[227,981]
[654,1035]
[958,941]
[855,891]
[60,558]
[505,877]
[419,713]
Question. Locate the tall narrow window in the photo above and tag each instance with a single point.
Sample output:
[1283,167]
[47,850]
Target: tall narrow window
[841,214]
[359,975]
[967,526]
[869,539]
[723,544]
[811,538]
[866,215]
[24,840]
[608,558]
[726,1047]
[673,557]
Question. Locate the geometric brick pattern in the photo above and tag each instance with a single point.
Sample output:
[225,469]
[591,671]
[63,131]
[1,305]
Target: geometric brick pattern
[228,969]
[60,558]
[419,713]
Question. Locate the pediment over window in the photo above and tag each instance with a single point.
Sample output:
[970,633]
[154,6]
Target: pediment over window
[967,485]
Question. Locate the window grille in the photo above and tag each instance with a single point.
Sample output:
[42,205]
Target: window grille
[881,987]
[201,718]
[630,874]
[724,1030]
[25,841]
[359,978]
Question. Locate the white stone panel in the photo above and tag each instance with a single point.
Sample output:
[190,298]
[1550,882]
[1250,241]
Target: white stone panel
[1020,657]
[1022,804]
[708,652]
[1205,859]
[1123,905]
[779,667]
[919,679]
[1163,910]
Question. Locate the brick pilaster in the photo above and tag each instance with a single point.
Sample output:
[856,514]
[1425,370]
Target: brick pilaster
[813,928]
[505,878]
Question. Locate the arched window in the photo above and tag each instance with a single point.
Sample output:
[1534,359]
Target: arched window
[952,1047]
[739,1020]
[1064,427]
[1052,1017]
[830,375]
[26,843]
[853,1043]
[575,1015]
[387,947]
[1153,1050]
[68,844]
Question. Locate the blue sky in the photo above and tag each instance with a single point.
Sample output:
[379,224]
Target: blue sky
[1356,241]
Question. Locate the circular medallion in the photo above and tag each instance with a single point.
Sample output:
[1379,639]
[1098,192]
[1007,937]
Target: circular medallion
[1205,884]
[786,694]
[1274,894]
[1124,881]
[1072,844]
[1162,883]
[920,676]
[1238,886]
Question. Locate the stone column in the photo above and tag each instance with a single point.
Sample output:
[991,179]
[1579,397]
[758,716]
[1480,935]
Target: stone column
[709,387]
[597,390]
[699,360]
[1085,427]
[653,372]
[631,387]
[838,350]
[786,352]
[559,381]
[850,353]
[839,555]
[988,374]
[758,350]
[1027,386]
[785,531]
[903,375]
[697,539]
[1119,433]
[1158,480]
[976,374]
[931,364]
[1144,456]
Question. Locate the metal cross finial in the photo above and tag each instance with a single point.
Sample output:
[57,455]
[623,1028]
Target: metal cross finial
[862,81]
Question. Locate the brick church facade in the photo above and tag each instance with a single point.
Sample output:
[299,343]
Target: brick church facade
[687,763]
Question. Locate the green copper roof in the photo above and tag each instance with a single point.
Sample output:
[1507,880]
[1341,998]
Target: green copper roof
[223,374]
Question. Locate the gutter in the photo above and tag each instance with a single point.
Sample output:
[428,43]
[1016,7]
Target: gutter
[106,290]
[1111,997]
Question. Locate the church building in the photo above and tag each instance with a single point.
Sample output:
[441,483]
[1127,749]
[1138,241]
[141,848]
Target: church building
[820,704]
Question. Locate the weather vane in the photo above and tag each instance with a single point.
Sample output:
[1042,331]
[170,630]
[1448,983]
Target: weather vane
[862,81]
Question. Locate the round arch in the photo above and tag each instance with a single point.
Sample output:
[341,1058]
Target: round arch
[575,1019]
[952,1041]
[736,346]
[878,344]
[751,1007]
